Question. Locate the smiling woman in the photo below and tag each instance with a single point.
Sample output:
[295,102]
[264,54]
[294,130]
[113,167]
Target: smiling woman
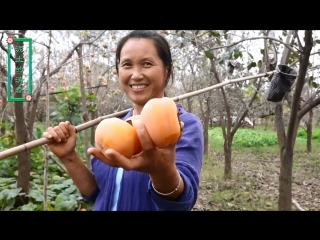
[155,179]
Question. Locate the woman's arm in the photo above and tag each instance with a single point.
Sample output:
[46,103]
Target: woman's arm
[189,154]
[80,174]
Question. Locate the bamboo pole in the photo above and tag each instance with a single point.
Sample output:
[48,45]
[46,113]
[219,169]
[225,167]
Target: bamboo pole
[42,141]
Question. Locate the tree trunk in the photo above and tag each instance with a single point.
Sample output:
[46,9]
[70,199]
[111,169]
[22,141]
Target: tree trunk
[225,126]
[227,157]
[85,116]
[285,184]
[46,164]
[309,131]
[4,105]
[206,129]
[281,134]
[21,130]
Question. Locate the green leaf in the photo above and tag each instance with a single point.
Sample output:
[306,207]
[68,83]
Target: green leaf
[209,54]
[6,181]
[68,182]
[318,41]
[251,65]
[54,113]
[284,33]
[237,53]
[58,178]
[250,55]
[315,85]
[36,195]
[311,79]
[38,132]
[10,202]
[50,207]
[218,41]
[13,193]
[68,205]
[56,186]
[259,64]
[64,203]
[29,207]
[70,189]
[4,193]
[215,34]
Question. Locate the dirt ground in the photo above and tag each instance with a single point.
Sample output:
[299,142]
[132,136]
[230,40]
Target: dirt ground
[255,183]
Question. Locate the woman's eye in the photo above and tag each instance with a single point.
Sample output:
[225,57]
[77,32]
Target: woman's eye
[146,63]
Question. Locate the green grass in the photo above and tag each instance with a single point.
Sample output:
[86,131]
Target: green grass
[260,140]
[302,134]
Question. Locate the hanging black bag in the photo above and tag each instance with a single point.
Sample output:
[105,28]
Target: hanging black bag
[281,82]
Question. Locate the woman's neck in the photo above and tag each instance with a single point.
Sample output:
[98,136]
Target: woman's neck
[137,110]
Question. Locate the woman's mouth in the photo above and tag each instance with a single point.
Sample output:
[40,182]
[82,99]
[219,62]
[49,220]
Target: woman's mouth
[139,87]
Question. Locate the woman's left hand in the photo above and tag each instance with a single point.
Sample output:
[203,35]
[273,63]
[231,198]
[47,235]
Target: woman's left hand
[158,163]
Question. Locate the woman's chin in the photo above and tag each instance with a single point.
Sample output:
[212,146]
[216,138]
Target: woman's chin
[139,100]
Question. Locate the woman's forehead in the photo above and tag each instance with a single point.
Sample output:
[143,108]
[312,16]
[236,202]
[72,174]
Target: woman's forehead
[138,47]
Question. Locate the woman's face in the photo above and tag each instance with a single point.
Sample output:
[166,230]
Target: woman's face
[142,74]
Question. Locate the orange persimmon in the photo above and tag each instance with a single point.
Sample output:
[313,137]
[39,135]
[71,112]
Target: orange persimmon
[161,119]
[118,135]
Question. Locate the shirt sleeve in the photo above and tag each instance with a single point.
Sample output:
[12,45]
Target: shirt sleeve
[189,154]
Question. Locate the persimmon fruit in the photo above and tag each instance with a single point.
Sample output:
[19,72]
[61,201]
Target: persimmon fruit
[118,135]
[161,119]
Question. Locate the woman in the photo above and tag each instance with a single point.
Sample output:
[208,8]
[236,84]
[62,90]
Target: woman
[156,179]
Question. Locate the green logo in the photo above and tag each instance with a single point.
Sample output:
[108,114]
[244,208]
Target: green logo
[20,83]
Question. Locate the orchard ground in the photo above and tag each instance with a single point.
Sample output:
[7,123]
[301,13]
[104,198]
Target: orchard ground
[253,187]
[256,167]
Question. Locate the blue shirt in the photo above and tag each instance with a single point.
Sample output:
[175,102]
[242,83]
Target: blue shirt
[134,191]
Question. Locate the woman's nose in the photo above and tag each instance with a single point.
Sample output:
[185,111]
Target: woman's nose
[136,73]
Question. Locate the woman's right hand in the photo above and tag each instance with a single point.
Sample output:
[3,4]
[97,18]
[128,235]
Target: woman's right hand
[64,139]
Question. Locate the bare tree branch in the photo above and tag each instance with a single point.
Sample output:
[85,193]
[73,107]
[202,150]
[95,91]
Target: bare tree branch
[254,38]
[299,42]
[4,49]
[307,107]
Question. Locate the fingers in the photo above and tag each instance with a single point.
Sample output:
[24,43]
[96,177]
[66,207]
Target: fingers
[112,158]
[144,137]
[60,133]
[99,155]
[71,130]
[120,160]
